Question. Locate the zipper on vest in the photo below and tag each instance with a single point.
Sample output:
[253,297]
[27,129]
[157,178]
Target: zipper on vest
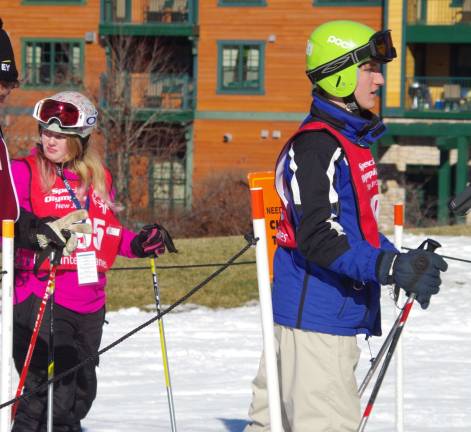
[303,298]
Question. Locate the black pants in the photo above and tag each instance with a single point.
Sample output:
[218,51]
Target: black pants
[76,336]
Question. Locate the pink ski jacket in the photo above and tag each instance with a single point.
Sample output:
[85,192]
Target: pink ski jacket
[82,299]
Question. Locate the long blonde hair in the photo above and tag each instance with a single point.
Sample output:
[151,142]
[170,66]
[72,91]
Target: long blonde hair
[85,161]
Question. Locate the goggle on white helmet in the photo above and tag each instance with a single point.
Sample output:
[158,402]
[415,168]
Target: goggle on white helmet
[67,112]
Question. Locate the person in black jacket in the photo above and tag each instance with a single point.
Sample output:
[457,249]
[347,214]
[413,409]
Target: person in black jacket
[8,81]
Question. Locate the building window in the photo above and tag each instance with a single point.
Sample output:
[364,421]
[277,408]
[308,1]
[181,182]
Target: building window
[240,67]
[53,63]
[460,60]
[242,3]
[168,183]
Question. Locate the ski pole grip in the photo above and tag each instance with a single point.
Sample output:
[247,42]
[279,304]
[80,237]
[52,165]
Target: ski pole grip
[430,245]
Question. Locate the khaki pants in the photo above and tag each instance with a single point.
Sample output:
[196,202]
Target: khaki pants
[318,389]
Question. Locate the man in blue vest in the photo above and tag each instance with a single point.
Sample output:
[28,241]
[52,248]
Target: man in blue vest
[331,258]
[30,232]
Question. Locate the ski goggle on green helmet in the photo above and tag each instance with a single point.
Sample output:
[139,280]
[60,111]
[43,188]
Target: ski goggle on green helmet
[336,48]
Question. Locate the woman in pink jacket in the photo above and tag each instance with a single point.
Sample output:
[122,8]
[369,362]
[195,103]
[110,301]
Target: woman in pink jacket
[62,174]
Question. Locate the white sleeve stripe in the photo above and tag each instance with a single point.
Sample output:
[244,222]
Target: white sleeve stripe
[333,196]
[280,183]
[335,225]
[294,182]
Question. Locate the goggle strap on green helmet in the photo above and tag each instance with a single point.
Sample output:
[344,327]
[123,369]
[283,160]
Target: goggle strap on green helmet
[379,48]
[339,64]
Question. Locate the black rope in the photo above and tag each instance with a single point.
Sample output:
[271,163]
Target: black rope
[251,241]
[170,266]
[182,266]
[443,256]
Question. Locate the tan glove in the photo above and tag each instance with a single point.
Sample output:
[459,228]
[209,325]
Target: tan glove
[61,232]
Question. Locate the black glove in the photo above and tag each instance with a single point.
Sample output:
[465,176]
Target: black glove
[48,235]
[152,241]
[417,271]
[26,229]
[38,234]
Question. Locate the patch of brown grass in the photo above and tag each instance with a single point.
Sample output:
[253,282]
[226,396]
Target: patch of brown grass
[233,287]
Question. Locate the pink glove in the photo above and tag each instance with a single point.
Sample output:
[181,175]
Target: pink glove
[151,241]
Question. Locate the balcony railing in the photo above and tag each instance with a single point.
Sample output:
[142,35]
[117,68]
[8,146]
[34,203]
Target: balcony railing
[156,92]
[438,12]
[142,12]
[438,94]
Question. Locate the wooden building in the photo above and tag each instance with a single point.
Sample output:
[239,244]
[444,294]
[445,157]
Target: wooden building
[221,84]
[427,106]
[51,52]
[252,87]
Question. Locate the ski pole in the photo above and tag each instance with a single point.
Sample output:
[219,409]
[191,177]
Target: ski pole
[50,357]
[163,346]
[377,360]
[430,245]
[37,325]
[369,407]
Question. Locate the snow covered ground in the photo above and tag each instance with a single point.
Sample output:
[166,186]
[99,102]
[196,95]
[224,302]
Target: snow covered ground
[214,355]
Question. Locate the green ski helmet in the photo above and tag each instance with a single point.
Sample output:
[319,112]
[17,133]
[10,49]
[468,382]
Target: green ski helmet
[336,49]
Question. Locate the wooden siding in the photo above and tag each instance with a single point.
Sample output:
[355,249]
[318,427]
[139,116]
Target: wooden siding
[290,21]
[246,152]
[410,72]
[395,22]
[287,89]
[440,12]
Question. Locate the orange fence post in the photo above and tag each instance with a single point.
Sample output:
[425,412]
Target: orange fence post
[271,208]
[6,391]
[398,233]
[266,309]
